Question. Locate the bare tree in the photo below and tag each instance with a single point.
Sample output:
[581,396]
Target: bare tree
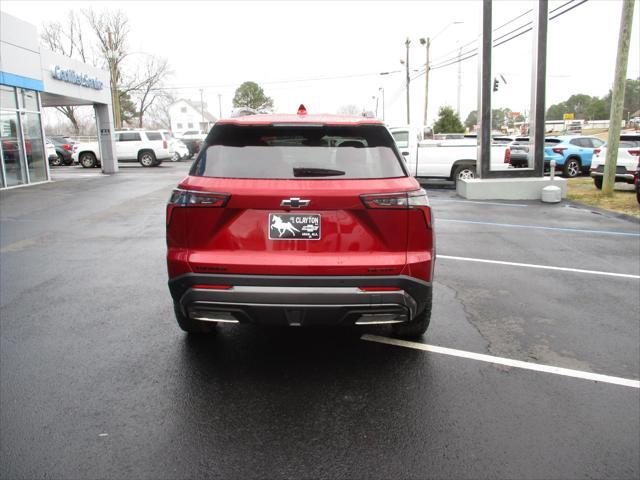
[112,30]
[146,90]
[158,113]
[67,39]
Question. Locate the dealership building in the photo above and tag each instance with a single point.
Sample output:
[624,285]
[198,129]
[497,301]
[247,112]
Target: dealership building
[31,78]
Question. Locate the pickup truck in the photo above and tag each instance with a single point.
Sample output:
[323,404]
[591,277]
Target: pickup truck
[149,148]
[451,159]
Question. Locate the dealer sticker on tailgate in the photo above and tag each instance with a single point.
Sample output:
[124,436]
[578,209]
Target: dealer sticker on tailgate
[294,226]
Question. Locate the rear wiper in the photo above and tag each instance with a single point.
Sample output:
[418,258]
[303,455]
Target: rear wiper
[316,172]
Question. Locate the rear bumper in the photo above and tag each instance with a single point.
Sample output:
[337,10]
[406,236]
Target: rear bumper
[300,300]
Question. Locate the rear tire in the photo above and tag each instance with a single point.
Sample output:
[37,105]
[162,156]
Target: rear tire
[58,161]
[464,172]
[416,327]
[190,326]
[88,160]
[597,181]
[147,158]
[571,168]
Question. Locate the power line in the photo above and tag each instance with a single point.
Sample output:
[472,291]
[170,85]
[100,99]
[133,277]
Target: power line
[472,53]
[274,82]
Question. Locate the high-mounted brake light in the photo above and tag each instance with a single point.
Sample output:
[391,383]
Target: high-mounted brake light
[302,110]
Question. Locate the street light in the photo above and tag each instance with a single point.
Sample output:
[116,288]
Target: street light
[427,42]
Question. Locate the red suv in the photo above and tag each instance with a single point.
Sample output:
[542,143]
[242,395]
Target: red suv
[300,220]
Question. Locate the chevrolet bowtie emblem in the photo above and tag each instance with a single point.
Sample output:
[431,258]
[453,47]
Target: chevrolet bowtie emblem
[295,202]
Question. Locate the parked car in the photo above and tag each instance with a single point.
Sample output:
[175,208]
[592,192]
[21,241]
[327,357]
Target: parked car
[628,156]
[314,220]
[178,149]
[572,154]
[193,140]
[64,149]
[52,156]
[147,147]
[451,159]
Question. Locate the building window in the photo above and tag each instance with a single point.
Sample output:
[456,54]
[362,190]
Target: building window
[183,109]
[178,126]
[8,97]
[190,125]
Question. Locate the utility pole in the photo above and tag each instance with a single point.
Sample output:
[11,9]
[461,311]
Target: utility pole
[427,43]
[219,105]
[382,90]
[617,97]
[406,64]
[459,85]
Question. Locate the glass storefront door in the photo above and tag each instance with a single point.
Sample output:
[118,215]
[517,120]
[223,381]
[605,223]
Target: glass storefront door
[34,147]
[12,154]
[23,159]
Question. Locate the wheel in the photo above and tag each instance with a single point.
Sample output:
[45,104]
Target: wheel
[56,162]
[192,326]
[88,160]
[465,172]
[597,181]
[416,327]
[175,157]
[571,167]
[147,158]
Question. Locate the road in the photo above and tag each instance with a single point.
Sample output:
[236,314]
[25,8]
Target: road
[97,381]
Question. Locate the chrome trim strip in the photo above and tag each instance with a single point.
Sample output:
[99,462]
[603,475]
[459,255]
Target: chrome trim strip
[219,320]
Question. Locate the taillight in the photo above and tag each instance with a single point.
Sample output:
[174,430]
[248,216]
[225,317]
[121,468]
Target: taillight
[634,152]
[416,199]
[190,198]
[165,145]
[66,146]
[507,155]
[596,152]
[559,150]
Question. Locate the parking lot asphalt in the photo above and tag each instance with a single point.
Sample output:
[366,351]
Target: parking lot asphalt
[97,381]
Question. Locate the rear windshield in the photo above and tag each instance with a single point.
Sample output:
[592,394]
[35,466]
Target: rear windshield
[629,141]
[286,152]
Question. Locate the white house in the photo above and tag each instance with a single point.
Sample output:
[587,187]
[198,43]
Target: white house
[188,115]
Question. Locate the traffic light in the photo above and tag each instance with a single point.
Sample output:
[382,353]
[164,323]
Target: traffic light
[495,84]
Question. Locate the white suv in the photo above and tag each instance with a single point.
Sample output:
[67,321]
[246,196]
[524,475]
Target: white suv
[628,157]
[147,147]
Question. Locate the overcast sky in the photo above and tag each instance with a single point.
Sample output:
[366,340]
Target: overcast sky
[218,45]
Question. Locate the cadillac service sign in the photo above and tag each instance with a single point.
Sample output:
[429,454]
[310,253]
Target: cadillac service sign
[71,76]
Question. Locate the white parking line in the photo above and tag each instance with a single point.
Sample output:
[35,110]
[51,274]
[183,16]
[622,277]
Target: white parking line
[595,377]
[538,227]
[532,265]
